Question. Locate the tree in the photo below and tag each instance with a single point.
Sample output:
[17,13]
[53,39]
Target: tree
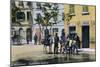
[49,12]
[67,17]
[39,22]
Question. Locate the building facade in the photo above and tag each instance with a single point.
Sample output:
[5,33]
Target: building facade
[21,22]
[83,22]
[56,28]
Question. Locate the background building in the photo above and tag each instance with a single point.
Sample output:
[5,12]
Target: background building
[83,23]
[21,22]
[56,28]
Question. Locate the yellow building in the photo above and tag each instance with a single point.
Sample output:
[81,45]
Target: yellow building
[83,23]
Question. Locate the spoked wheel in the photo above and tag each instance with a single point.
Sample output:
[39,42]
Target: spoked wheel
[74,50]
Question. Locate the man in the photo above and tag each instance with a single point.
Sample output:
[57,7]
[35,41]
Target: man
[62,43]
[50,45]
[46,43]
[77,40]
[76,43]
[56,40]
[35,39]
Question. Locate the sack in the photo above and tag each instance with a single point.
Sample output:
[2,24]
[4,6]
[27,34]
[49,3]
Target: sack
[74,42]
[70,43]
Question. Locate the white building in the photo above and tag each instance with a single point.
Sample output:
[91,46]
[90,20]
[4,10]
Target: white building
[55,28]
[28,27]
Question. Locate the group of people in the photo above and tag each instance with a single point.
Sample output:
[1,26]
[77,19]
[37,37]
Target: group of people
[67,44]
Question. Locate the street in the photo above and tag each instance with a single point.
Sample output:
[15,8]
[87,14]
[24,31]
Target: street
[33,55]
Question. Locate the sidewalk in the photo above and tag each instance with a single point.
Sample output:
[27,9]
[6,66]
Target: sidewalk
[36,52]
[87,50]
[24,51]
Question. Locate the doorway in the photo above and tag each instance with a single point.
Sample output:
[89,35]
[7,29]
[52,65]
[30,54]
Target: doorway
[85,36]
[29,35]
[72,29]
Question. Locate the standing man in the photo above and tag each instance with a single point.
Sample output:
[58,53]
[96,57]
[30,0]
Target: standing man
[62,41]
[77,40]
[50,45]
[56,40]
[35,39]
[27,38]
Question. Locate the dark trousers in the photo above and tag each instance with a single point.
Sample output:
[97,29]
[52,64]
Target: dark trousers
[35,42]
[55,48]
[27,41]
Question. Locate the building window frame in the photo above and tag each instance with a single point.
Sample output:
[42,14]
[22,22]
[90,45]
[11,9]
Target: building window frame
[22,18]
[29,4]
[21,3]
[72,29]
[55,30]
[28,15]
[38,5]
[72,9]
[85,10]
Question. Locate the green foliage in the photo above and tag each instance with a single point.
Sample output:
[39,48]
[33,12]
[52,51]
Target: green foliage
[67,17]
[49,12]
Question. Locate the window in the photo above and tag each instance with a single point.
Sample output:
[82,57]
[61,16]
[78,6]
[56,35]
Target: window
[85,10]
[29,4]
[55,30]
[38,5]
[28,15]
[38,18]
[72,9]
[20,16]
[20,3]
[72,29]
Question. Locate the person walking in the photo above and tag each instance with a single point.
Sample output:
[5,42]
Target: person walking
[56,40]
[35,39]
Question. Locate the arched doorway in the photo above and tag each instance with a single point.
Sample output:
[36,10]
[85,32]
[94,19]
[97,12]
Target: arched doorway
[29,35]
[21,35]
